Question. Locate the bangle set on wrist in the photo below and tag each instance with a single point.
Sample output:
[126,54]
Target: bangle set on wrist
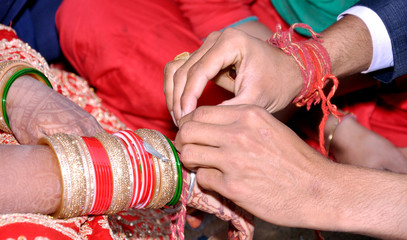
[108,173]
[10,71]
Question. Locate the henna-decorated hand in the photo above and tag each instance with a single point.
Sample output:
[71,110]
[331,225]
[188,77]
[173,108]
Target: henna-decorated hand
[35,110]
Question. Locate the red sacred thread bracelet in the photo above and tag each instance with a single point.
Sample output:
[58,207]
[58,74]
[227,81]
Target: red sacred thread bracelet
[315,65]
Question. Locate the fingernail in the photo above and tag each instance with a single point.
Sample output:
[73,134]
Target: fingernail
[182,113]
[173,118]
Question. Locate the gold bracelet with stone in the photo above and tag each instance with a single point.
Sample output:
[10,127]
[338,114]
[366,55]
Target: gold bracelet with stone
[168,185]
[121,170]
[7,69]
[70,161]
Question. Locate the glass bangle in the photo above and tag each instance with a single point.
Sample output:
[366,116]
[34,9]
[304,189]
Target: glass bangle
[134,142]
[149,179]
[14,77]
[177,194]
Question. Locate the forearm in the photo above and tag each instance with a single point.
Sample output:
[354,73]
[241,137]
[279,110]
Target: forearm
[349,45]
[30,180]
[362,201]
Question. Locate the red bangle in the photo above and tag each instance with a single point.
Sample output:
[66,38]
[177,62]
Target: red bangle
[140,168]
[148,172]
[123,135]
[103,175]
[144,170]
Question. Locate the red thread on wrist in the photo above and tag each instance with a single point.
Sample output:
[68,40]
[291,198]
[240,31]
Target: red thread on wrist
[315,66]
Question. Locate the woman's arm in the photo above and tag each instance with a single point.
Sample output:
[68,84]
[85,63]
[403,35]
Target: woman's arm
[30,180]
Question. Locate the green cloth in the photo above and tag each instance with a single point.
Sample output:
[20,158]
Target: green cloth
[319,14]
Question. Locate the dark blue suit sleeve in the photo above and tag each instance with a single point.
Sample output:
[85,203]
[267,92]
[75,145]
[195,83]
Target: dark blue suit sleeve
[394,16]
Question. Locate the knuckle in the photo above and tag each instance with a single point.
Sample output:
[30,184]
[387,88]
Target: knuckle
[184,131]
[199,113]
[232,188]
[252,112]
[187,155]
[213,35]
[170,68]
[179,73]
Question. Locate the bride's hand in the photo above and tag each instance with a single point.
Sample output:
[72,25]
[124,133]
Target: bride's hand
[35,110]
[354,144]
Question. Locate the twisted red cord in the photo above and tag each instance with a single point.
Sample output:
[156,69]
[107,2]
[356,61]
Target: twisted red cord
[315,66]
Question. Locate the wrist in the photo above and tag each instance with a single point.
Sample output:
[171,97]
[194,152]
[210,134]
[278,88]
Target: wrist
[349,46]
[23,95]
[334,134]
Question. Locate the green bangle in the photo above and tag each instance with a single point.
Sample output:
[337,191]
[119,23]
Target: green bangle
[178,191]
[14,77]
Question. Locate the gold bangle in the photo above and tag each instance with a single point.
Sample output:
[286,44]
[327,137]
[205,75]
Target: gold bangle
[89,173]
[69,157]
[167,179]
[166,148]
[121,169]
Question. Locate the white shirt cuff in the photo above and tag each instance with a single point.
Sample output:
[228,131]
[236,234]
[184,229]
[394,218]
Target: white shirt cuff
[382,49]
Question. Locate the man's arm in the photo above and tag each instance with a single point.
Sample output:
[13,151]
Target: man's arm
[393,13]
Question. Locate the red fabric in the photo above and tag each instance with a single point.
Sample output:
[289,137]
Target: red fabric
[30,231]
[212,15]
[268,15]
[37,226]
[122,48]
[386,115]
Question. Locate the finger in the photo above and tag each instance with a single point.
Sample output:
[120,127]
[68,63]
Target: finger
[226,79]
[195,156]
[223,54]
[210,179]
[220,114]
[169,72]
[181,78]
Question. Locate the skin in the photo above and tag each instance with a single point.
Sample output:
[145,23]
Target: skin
[268,170]
[269,82]
[35,111]
[264,167]
[30,173]
[388,157]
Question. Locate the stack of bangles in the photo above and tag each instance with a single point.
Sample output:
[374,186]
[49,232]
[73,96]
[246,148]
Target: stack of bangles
[106,174]
[11,70]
